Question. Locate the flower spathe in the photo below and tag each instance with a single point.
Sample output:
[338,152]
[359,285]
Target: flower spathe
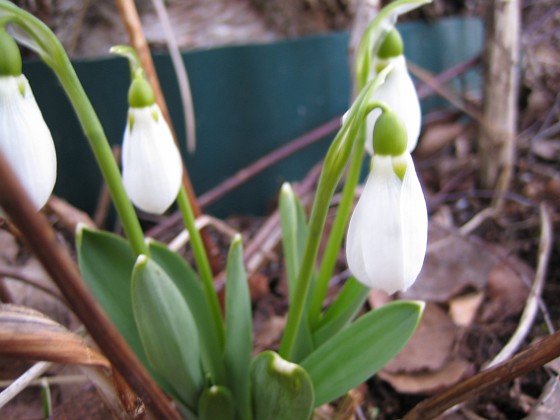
[398,93]
[387,236]
[25,140]
[151,163]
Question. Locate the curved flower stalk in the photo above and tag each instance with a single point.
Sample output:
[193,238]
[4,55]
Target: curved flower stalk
[387,236]
[375,33]
[151,162]
[25,139]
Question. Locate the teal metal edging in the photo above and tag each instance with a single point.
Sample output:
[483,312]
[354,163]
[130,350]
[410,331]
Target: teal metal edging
[248,101]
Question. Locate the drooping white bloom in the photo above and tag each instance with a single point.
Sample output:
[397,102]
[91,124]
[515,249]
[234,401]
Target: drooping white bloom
[398,93]
[25,140]
[387,236]
[151,163]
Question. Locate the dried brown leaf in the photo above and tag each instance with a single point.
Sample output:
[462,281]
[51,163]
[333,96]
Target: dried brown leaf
[463,309]
[431,345]
[28,334]
[428,382]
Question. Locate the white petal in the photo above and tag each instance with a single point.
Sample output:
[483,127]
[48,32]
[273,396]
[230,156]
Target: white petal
[25,139]
[399,93]
[414,218]
[152,168]
[374,241]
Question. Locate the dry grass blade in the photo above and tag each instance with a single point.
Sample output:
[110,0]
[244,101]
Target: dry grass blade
[28,334]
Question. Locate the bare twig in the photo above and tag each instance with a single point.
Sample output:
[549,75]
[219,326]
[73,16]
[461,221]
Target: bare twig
[180,72]
[535,356]
[532,305]
[23,382]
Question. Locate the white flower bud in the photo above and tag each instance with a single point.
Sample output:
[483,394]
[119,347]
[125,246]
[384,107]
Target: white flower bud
[151,162]
[399,94]
[25,139]
[387,236]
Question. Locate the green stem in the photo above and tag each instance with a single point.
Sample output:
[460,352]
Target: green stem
[98,141]
[37,36]
[202,262]
[337,232]
[339,225]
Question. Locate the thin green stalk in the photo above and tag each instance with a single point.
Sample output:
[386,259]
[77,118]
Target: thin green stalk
[339,225]
[335,161]
[202,262]
[36,35]
[337,232]
[98,141]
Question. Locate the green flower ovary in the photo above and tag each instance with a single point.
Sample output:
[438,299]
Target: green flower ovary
[392,45]
[10,57]
[140,93]
[389,135]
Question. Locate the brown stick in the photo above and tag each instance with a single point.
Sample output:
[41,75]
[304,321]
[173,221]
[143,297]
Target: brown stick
[533,357]
[41,239]
[496,142]
[131,20]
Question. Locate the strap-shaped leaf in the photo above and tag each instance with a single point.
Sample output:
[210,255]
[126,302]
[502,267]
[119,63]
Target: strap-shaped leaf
[167,329]
[281,390]
[342,311]
[216,403]
[188,283]
[360,350]
[106,263]
[239,329]
[294,233]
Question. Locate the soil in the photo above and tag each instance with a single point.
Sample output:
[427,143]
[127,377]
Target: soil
[475,299]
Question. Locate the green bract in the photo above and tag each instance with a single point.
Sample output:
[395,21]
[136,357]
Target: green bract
[392,45]
[389,135]
[10,61]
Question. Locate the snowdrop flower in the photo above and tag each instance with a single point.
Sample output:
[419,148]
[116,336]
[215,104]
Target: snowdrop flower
[397,92]
[25,139]
[387,236]
[151,162]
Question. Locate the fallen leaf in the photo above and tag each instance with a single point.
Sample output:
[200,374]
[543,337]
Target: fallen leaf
[463,309]
[429,382]
[30,335]
[453,265]
[431,345]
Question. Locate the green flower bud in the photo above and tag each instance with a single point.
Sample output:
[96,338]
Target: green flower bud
[10,57]
[389,135]
[140,94]
[392,45]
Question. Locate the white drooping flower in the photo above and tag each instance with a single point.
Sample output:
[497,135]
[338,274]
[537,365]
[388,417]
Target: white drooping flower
[151,162]
[398,93]
[25,140]
[387,235]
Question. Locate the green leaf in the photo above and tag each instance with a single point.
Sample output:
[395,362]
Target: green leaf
[294,233]
[342,311]
[106,261]
[359,351]
[167,329]
[281,390]
[239,329]
[216,403]
[188,283]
